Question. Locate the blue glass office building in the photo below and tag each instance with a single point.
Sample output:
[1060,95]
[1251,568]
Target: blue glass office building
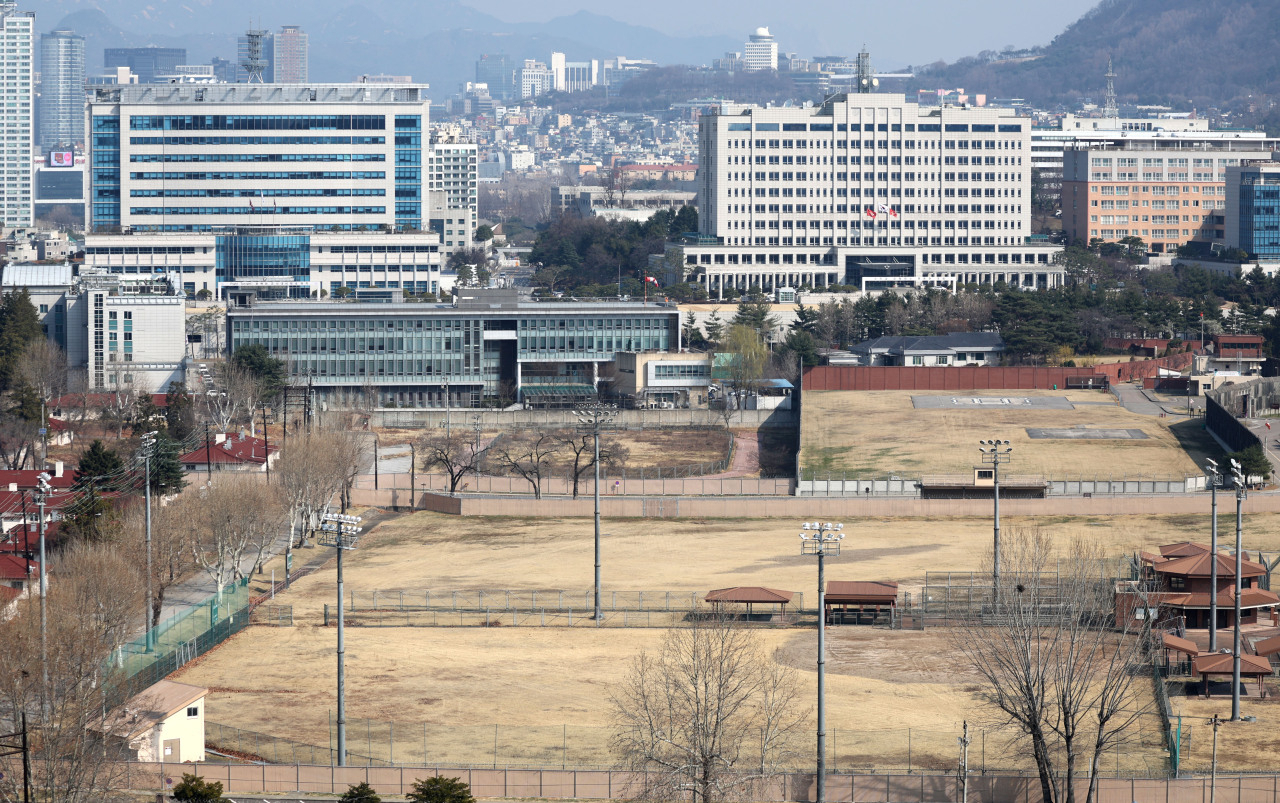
[200,158]
[1256,193]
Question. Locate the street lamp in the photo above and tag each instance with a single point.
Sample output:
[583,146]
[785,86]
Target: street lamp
[42,492]
[592,417]
[1237,479]
[995,452]
[340,531]
[148,448]
[821,539]
[1215,479]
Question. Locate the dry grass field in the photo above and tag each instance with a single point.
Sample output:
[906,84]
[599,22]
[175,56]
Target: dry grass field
[548,692]
[1241,745]
[441,553]
[547,688]
[879,433]
[651,448]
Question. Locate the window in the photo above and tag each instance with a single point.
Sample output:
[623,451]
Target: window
[193,711]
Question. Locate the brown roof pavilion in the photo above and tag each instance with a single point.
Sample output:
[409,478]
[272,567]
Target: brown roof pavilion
[750,594]
[1219,663]
[1180,645]
[1267,646]
[1201,565]
[861,592]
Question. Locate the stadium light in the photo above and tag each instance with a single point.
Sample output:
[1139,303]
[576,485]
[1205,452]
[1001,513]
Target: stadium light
[821,539]
[339,530]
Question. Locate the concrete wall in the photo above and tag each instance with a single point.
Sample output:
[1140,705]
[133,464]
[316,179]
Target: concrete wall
[463,418]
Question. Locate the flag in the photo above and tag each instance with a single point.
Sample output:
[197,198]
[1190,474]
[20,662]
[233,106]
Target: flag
[893,212]
[651,279]
[1268,424]
[871,213]
[884,209]
[250,205]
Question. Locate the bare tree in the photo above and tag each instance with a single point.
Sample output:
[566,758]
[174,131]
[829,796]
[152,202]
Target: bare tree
[1051,664]
[234,396]
[309,473]
[709,717]
[451,450]
[120,403]
[580,447]
[527,454]
[17,441]
[227,528]
[43,367]
[93,596]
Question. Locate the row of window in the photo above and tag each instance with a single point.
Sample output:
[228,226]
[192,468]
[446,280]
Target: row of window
[174,158]
[248,210]
[316,140]
[288,193]
[259,122]
[977,128]
[326,175]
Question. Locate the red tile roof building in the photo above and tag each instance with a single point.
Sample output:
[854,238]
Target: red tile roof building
[231,453]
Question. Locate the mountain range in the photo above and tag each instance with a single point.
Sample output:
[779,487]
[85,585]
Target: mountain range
[438,43]
[1183,53]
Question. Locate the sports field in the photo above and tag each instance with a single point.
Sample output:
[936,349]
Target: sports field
[877,433]
[546,689]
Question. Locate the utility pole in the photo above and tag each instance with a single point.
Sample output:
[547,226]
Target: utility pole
[413,475]
[1213,762]
[821,539]
[42,493]
[475,425]
[995,452]
[340,531]
[266,444]
[148,444]
[208,454]
[592,417]
[1215,479]
[1239,479]
[375,461]
[964,764]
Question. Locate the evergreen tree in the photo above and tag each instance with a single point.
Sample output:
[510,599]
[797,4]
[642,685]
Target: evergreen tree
[167,476]
[26,404]
[686,220]
[440,790]
[714,327]
[179,412]
[194,789]
[755,312]
[254,359]
[97,461]
[360,793]
[19,326]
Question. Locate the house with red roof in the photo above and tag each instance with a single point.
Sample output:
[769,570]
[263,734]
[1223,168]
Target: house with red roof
[233,452]
[1178,583]
[18,578]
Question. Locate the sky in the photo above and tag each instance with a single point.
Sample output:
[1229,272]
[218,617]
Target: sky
[897,32]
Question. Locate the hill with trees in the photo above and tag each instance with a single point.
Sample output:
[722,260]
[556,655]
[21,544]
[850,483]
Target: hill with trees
[1180,53]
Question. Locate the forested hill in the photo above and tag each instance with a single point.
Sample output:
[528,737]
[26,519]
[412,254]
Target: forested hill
[1183,53]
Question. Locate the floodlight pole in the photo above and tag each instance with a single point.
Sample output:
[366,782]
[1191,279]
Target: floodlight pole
[1241,494]
[592,417]
[339,528]
[1215,479]
[818,539]
[42,491]
[148,444]
[995,452]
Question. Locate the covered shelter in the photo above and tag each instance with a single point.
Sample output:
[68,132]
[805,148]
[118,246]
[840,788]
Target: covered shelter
[1220,663]
[859,601]
[1173,644]
[751,596]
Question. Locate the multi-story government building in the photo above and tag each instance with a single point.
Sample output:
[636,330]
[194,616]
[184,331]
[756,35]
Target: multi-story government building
[866,190]
[489,345]
[277,262]
[17,120]
[195,158]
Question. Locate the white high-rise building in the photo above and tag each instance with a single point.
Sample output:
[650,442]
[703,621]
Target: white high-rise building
[61,89]
[452,178]
[289,58]
[760,52]
[866,190]
[17,117]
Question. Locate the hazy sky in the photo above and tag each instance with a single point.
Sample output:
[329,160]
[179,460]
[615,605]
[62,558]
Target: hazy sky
[897,32]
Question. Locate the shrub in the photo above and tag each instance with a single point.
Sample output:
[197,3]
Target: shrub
[440,790]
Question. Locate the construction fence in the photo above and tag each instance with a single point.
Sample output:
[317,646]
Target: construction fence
[378,743]
[678,481]
[813,483]
[553,784]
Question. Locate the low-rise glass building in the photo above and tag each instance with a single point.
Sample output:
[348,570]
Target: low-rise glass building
[493,346]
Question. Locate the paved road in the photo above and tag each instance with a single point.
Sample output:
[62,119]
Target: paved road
[1133,399]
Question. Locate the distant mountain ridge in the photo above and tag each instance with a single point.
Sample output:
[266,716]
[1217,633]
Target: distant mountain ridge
[438,43]
[1183,53]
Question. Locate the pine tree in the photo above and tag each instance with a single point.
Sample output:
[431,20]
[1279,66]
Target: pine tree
[99,461]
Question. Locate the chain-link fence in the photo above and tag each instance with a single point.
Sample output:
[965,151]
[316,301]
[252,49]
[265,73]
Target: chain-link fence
[251,745]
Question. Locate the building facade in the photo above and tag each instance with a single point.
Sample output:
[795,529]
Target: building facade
[1167,192]
[277,262]
[148,63]
[1252,210]
[62,79]
[17,115]
[184,158]
[491,345]
[866,190]
[535,78]
[497,71]
[760,52]
[290,55]
[452,179]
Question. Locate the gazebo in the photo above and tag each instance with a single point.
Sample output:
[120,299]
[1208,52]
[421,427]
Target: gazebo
[1218,663]
[749,596]
[842,595]
[1174,644]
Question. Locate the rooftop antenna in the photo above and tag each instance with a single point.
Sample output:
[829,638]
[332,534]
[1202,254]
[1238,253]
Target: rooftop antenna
[867,81]
[1110,108]
[254,64]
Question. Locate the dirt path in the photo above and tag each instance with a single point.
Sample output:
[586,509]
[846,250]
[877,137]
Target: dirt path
[746,457]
